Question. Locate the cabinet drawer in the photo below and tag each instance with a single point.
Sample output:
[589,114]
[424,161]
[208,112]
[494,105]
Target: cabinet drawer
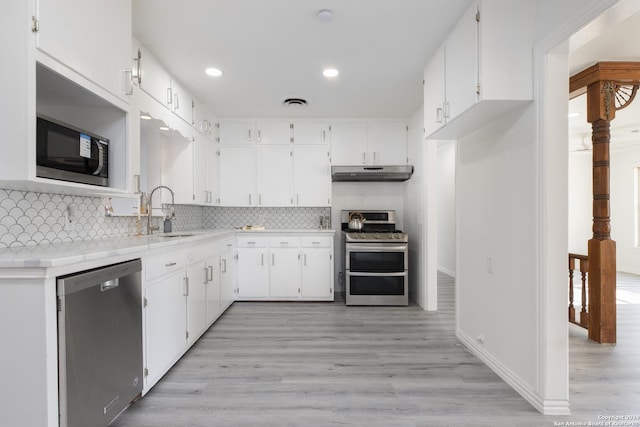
[158,265]
[316,242]
[252,242]
[284,242]
[228,245]
[198,253]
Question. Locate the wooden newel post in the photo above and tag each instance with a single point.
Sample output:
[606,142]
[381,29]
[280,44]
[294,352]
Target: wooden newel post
[602,250]
[610,86]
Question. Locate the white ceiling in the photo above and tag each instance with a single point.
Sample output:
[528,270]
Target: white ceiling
[276,49]
[618,42]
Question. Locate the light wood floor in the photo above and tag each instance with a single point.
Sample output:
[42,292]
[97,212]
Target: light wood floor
[325,364]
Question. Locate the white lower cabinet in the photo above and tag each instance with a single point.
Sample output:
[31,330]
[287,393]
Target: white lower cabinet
[271,266]
[317,255]
[213,290]
[253,270]
[165,325]
[284,269]
[227,272]
[182,298]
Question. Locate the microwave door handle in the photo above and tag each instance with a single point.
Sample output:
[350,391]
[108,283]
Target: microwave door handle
[100,157]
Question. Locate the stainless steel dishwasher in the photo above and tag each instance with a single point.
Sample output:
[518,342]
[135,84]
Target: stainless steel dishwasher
[99,343]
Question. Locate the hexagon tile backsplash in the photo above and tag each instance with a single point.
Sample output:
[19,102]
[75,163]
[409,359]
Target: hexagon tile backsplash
[29,218]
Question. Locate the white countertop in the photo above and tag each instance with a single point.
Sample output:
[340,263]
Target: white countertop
[66,253]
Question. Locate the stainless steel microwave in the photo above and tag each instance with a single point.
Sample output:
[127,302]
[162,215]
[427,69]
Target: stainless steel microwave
[66,153]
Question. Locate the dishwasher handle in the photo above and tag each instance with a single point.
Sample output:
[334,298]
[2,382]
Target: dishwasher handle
[109,284]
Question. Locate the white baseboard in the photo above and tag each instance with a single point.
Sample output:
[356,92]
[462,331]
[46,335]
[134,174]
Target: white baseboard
[447,271]
[546,407]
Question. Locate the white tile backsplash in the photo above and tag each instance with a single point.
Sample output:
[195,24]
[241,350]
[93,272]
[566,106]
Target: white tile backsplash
[29,218]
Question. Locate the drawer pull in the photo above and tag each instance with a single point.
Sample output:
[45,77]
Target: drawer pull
[171,264]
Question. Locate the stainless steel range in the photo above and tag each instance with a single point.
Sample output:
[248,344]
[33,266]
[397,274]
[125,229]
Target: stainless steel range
[376,258]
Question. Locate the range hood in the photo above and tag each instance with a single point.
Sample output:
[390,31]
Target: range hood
[371,173]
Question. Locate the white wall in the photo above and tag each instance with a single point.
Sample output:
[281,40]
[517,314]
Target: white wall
[414,223]
[511,207]
[496,217]
[623,163]
[447,207]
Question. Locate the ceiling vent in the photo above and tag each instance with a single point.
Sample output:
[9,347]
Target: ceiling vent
[295,102]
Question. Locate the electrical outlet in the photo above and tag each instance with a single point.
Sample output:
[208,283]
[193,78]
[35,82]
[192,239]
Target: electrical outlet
[480,339]
[69,218]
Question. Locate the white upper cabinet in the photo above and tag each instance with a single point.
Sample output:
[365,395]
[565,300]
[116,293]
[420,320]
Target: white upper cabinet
[246,132]
[238,176]
[274,176]
[206,168]
[311,133]
[154,79]
[372,143]
[93,38]
[487,68]
[203,120]
[461,58]
[311,176]
[434,92]
[387,143]
[236,133]
[349,143]
[181,102]
[274,133]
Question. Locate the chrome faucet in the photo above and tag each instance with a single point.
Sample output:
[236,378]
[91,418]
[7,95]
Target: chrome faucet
[152,228]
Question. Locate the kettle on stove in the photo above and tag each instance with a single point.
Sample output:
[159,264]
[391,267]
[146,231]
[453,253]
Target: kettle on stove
[356,221]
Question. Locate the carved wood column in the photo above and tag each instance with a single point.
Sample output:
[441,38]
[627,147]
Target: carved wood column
[602,250]
[609,86]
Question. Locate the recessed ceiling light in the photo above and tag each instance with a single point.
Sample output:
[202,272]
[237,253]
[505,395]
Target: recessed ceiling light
[214,72]
[145,117]
[570,115]
[330,72]
[325,15]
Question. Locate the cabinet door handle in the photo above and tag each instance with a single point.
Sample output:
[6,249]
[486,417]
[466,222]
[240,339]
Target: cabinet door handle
[273,259]
[364,158]
[176,102]
[128,82]
[186,287]
[210,278]
[249,139]
[206,275]
[324,136]
[136,183]
[169,96]
[259,136]
[446,110]
[261,259]
[439,115]
[374,157]
[224,265]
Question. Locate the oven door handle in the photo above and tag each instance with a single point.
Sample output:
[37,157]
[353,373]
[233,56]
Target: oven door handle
[364,247]
[368,274]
